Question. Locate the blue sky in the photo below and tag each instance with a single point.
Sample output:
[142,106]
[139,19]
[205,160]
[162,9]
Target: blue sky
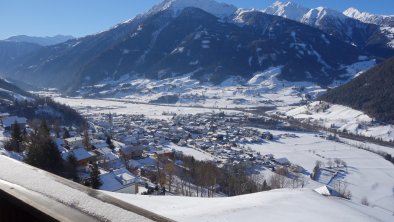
[82,17]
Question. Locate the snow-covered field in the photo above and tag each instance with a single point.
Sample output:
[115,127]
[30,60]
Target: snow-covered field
[188,151]
[97,106]
[368,174]
[339,117]
[275,205]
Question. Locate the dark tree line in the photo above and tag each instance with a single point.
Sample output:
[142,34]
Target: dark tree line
[371,92]
[62,114]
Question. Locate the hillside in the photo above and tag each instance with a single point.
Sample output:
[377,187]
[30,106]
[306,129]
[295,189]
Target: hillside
[371,92]
[11,51]
[18,102]
[9,91]
[276,205]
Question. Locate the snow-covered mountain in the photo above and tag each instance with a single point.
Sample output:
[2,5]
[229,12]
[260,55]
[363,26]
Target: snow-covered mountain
[221,10]
[43,41]
[386,22]
[288,10]
[211,48]
[372,37]
[212,41]
[381,20]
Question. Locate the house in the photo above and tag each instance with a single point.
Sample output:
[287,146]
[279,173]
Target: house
[11,120]
[120,181]
[73,141]
[282,161]
[81,155]
[164,153]
[3,116]
[107,159]
[131,152]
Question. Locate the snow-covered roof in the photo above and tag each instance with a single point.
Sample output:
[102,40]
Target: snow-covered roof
[117,179]
[282,160]
[2,115]
[107,154]
[8,121]
[79,153]
[323,190]
[73,139]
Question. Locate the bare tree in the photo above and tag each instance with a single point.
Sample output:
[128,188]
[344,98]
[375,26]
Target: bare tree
[342,188]
[337,161]
[330,163]
[365,201]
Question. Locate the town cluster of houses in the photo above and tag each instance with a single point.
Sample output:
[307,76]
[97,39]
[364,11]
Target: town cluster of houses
[137,142]
[140,140]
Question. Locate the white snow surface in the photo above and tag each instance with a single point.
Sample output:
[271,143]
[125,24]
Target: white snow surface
[342,118]
[275,205]
[37,181]
[196,153]
[368,175]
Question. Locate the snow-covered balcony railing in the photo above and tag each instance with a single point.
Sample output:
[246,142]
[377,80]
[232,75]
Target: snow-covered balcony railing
[28,192]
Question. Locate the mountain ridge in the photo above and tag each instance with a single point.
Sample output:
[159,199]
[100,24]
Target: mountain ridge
[42,41]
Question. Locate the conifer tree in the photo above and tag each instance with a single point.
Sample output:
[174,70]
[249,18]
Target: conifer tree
[95,181]
[42,151]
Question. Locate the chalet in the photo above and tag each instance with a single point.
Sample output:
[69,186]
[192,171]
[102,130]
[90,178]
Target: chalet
[73,141]
[120,181]
[107,159]
[131,152]
[8,121]
[164,153]
[81,155]
[3,116]
[282,161]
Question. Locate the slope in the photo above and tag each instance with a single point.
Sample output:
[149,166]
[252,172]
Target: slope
[371,92]
[276,205]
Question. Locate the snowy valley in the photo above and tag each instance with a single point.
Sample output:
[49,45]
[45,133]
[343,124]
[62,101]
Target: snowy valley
[197,110]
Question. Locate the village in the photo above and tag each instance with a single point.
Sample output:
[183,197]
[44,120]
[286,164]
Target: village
[127,148]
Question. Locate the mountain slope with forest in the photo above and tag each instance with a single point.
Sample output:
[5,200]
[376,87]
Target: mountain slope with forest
[371,92]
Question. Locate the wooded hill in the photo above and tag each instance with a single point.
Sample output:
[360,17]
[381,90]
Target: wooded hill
[371,92]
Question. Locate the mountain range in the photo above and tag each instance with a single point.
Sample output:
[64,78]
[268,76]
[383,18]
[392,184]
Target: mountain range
[42,41]
[212,42]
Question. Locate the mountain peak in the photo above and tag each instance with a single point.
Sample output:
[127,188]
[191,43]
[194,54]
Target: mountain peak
[220,10]
[288,10]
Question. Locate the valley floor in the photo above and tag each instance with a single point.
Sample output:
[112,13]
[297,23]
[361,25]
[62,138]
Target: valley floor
[367,175]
